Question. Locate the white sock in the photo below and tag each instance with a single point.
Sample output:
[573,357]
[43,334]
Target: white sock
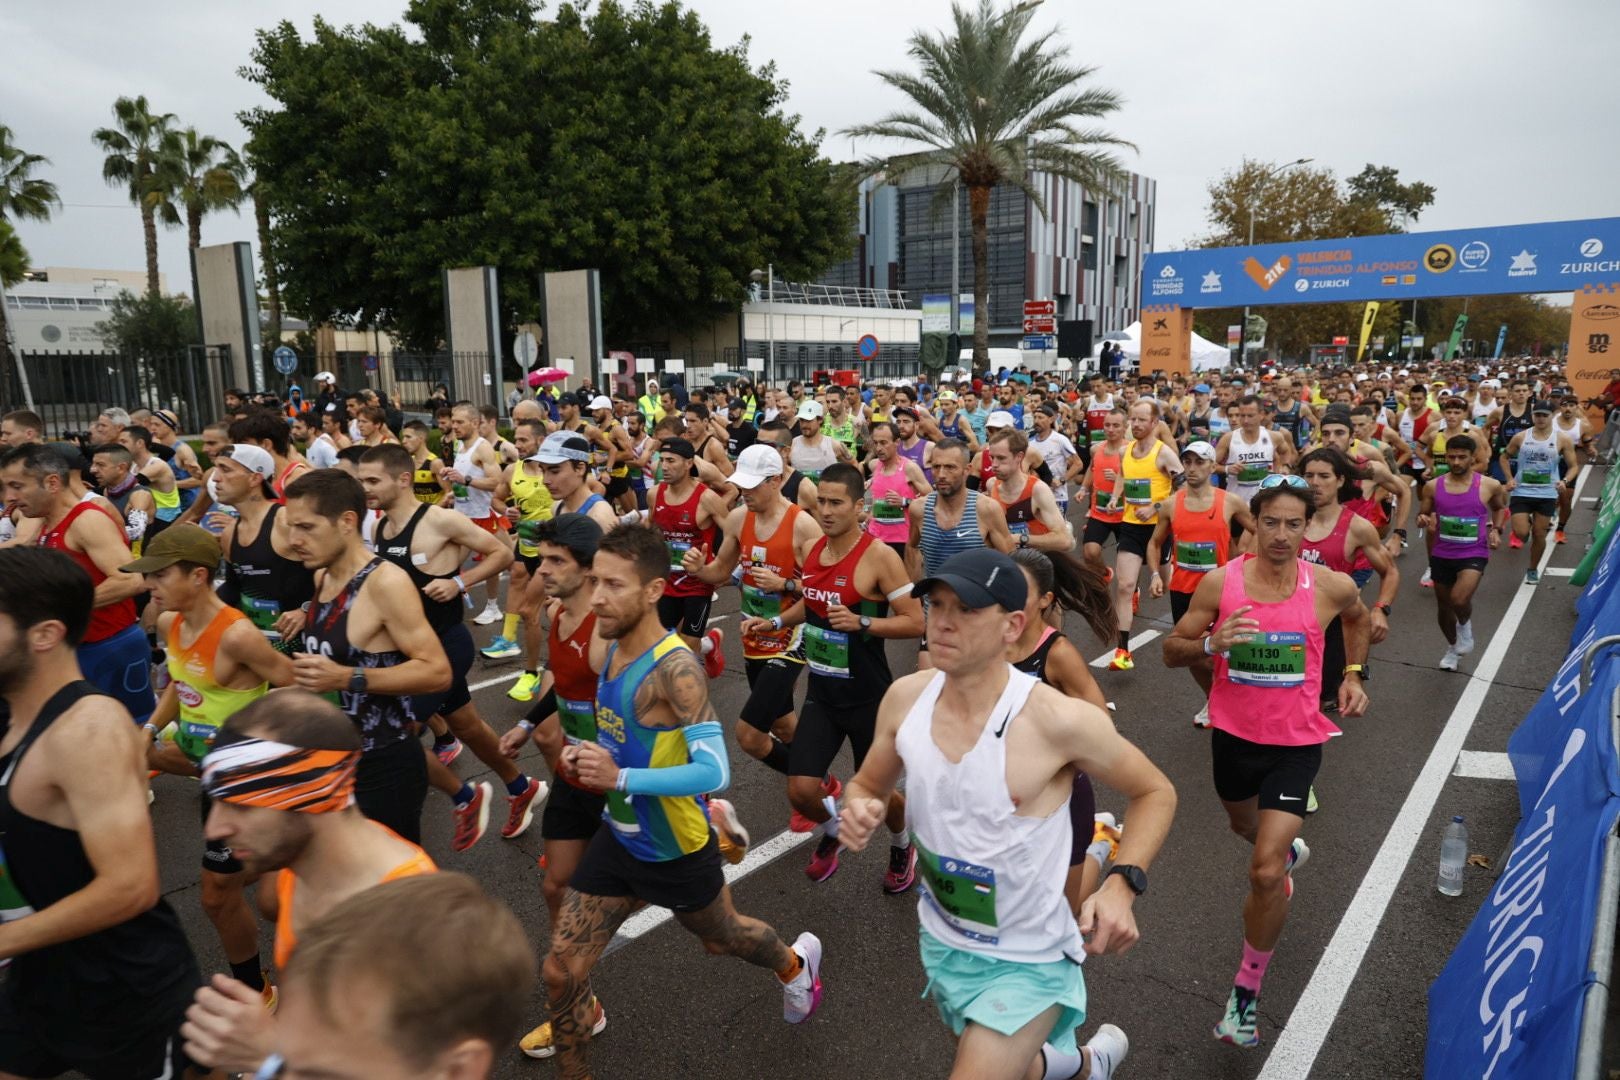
[1056,1065]
[901,838]
[708,646]
[1098,849]
[830,826]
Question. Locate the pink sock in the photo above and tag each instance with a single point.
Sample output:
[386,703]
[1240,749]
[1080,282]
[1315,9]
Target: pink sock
[1252,969]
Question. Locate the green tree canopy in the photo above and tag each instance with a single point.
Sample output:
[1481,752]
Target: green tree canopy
[148,324]
[618,138]
[13,262]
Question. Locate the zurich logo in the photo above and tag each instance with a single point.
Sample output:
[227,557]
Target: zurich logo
[1168,272]
[1301,285]
[1474,255]
[1591,248]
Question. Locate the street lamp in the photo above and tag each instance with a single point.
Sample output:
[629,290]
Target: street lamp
[1243,339]
[768,275]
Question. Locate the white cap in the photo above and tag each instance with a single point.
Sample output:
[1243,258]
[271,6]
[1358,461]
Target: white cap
[255,459]
[325,376]
[561,446]
[756,464]
[810,410]
[1201,449]
[1494,384]
[1403,373]
[601,401]
[1001,418]
[1361,376]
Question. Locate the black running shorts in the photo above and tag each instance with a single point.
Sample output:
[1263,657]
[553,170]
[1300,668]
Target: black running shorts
[459,650]
[1547,508]
[217,857]
[390,787]
[1098,531]
[1445,571]
[98,1046]
[686,615]
[688,883]
[1280,775]
[571,813]
[770,691]
[1133,538]
[821,734]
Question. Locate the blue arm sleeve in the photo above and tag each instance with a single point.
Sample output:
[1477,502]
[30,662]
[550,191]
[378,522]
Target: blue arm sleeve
[709,770]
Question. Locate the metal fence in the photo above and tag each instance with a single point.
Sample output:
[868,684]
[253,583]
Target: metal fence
[70,389]
[412,376]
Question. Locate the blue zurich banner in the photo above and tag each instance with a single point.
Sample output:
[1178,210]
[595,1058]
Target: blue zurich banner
[1508,1004]
[1555,256]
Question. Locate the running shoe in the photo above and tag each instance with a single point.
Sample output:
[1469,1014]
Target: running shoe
[1448,662]
[1559,537]
[1201,717]
[1108,1048]
[472,819]
[447,752]
[1311,805]
[1122,661]
[902,872]
[831,788]
[1465,638]
[1238,1026]
[1105,831]
[1532,576]
[502,648]
[714,662]
[520,808]
[1515,543]
[491,614]
[269,995]
[524,688]
[1428,580]
[1299,853]
[801,996]
[824,863]
[729,831]
[537,1043]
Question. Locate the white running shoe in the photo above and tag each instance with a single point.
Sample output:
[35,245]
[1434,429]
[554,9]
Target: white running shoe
[1427,581]
[491,614]
[1108,1048]
[1465,638]
[801,996]
[1448,662]
[1201,717]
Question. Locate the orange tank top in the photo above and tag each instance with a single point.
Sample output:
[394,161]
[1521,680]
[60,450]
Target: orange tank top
[1203,540]
[287,885]
[779,557]
[1102,488]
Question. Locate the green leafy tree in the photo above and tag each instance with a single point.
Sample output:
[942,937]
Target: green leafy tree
[149,324]
[24,196]
[616,137]
[13,264]
[1380,186]
[137,146]
[996,109]
[202,176]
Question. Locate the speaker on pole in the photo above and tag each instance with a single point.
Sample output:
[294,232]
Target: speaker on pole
[1074,339]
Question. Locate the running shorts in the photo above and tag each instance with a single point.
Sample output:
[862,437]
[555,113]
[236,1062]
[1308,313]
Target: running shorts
[1445,571]
[571,813]
[391,785]
[1133,538]
[1098,531]
[217,857]
[120,666]
[770,691]
[1280,775]
[687,615]
[531,563]
[458,648]
[1003,995]
[1547,508]
[683,884]
[821,734]
[616,486]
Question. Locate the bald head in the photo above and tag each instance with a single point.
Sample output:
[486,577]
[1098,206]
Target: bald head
[527,410]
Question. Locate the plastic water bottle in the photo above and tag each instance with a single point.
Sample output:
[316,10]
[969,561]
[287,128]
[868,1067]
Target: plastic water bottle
[1453,857]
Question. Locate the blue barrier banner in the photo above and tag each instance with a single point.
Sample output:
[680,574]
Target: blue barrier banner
[1508,1004]
[1554,256]
[1536,746]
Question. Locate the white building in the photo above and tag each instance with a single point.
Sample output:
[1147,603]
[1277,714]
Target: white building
[58,310]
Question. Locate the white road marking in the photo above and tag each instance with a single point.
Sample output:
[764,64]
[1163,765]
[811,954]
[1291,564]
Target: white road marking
[510,676]
[1483,765]
[651,918]
[1558,571]
[1136,643]
[717,618]
[1301,1039]
[1589,498]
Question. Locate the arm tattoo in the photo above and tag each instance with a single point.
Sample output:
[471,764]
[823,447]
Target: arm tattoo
[679,680]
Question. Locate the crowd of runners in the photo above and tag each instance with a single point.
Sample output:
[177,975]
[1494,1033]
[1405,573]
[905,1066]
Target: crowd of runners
[278,607]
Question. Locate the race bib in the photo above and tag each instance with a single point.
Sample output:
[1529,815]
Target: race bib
[1097,435]
[1197,556]
[1272,661]
[1253,472]
[1441,468]
[1536,479]
[758,603]
[677,549]
[528,531]
[887,512]
[827,652]
[1139,490]
[1459,528]
[964,892]
[578,719]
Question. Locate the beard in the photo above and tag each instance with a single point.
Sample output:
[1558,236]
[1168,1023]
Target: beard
[16,668]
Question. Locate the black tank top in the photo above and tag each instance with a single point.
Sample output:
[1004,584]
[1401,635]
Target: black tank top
[383,719]
[1198,424]
[1035,663]
[141,970]
[1512,423]
[442,615]
[790,486]
[262,584]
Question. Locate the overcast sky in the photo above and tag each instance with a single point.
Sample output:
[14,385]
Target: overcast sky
[1508,107]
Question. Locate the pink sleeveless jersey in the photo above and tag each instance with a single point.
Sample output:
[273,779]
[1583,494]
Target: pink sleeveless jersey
[888,521]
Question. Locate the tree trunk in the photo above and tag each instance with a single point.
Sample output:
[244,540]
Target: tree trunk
[194,226]
[978,217]
[149,228]
[5,353]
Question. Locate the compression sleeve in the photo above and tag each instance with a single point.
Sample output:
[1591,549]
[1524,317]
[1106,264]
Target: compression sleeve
[709,770]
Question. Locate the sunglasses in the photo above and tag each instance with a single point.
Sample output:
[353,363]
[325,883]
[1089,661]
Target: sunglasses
[1278,479]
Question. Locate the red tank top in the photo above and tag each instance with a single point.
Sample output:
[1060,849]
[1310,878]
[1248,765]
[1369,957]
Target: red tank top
[1329,551]
[987,472]
[1021,509]
[109,619]
[573,681]
[678,523]
[1203,541]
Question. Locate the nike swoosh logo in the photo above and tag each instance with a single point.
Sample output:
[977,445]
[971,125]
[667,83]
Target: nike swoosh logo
[1289,798]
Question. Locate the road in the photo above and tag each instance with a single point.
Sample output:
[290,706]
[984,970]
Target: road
[674,1010]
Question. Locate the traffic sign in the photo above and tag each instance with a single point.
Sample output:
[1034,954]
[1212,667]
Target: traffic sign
[525,349]
[1033,308]
[285,359]
[1039,342]
[867,347]
[369,362]
[1040,324]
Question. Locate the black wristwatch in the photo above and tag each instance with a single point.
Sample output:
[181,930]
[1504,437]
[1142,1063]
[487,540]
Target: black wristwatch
[866,622]
[1135,877]
[357,681]
[1386,609]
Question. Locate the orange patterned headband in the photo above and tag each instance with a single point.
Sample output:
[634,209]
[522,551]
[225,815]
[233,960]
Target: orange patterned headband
[259,772]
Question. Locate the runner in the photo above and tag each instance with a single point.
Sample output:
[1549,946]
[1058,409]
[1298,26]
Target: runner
[367,650]
[686,513]
[954,424]
[850,583]
[813,450]
[280,779]
[951,518]
[1269,612]
[1375,478]
[1027,502]
[1096,408]
[990,757]
[707,447]
[100,971]
[427,481]
[617,478]
[1249,452]
[1059,453]
[528,503]
[656,846]
[797,488]
[911,446]
[226,665]
[895,481]
[1460,510]
[474,474]
[320,449]
[158,478]
[1543,467]
[264,579]
[1147,470]
[113,652]
[1431,447]
[1199,522]
[564,460]
[840,425]
[431,544]
[113,468]
[1105,467]
[269,432]
[1575,427]
[1511,419]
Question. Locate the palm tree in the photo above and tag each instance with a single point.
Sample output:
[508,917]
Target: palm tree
[141,144]
[23,196]
[205,175]
[996,110]
[259,192]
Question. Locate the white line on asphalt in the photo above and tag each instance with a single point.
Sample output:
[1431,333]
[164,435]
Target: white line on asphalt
[1136,643]
[1483,765]
[1559,571]
[649,919]
[716,618]
[1307,1029]
[1590,498]
[496,681]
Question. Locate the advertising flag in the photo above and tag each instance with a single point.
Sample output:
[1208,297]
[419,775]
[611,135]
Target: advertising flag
[1594,356]
[1368,317]
[1456,336]
[1501,340]
[1166,339]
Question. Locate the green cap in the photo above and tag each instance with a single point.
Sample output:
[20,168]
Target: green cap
[177,544]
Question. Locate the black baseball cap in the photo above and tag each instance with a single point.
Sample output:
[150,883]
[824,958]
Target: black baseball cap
[979,578]
[679,447]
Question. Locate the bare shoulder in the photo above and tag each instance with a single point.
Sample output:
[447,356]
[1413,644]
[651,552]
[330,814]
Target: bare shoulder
[904,691]
[1338,588]
[95,723]
[683,684]
[1055,714]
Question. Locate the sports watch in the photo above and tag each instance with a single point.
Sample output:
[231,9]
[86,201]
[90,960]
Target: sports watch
[1135,877]
[357,681]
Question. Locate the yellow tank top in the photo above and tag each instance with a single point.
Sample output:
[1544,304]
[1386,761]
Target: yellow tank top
[533,501]
[623,466]
[168,504]
[204,704]
[1145,484]
[425,484]
[1438,452]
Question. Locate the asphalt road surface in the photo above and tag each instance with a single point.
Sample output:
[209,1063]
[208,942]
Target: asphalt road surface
[1345,995]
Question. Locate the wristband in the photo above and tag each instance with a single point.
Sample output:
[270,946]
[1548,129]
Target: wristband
[1208,640]
[527,727]
[776,622]
[462,585]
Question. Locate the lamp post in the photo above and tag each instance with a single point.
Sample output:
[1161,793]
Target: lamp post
[1243,339]
[769,276]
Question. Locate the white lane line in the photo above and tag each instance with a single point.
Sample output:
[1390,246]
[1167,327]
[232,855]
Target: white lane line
[1295,1050]
[1483,765]
[495,681]
[1589,498]
[651,918]
[717,618]
[1136,643]
[1558,571]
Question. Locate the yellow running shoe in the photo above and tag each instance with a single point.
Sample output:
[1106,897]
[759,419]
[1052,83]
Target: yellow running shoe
[537,1043]
[1122,661]
[524,688]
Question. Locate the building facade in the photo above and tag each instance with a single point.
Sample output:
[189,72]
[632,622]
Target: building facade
[1084,253]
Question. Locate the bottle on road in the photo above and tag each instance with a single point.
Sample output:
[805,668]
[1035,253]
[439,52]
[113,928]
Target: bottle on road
[1453,857]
